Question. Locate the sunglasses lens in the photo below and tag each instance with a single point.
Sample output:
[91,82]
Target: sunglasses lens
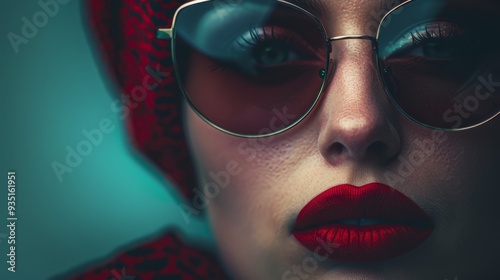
[440,65]
[251,68]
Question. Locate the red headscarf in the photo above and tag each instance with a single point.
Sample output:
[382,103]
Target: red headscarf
[125,32]
[138,62]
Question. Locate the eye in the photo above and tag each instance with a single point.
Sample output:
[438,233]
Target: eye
[269,47]
[441,40]
[272,53]
[272,46]
[437,49]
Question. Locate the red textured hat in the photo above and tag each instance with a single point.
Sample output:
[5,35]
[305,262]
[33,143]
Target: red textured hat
[142,67]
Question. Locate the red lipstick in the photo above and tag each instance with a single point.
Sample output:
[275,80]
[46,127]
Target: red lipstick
[370,223]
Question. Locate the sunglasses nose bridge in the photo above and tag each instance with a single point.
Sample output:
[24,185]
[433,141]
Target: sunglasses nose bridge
[355,37]
[329,42]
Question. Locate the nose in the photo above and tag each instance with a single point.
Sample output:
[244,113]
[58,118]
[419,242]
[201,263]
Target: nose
[357,119]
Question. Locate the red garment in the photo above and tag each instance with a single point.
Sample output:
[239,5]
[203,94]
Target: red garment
[124,32]
[164,258]
[125,36]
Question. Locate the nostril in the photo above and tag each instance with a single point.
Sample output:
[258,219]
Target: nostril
[376,148]
[336,149]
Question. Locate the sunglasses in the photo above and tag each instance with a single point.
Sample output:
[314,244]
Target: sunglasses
[256,68]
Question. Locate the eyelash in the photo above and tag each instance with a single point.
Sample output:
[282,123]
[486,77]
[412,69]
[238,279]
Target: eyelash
[258,36]
[419,38]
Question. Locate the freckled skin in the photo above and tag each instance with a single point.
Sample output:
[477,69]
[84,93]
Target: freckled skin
[355,136]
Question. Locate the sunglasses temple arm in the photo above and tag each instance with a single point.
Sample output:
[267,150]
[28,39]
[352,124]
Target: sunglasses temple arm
[164,33]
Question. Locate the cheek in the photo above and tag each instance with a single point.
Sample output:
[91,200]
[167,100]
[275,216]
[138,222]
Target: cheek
[454,174]
[473,157]
[475,178]
[243,169]
[459,185]
[256,182]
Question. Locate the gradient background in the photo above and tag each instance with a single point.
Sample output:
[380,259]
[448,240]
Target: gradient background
[51,90]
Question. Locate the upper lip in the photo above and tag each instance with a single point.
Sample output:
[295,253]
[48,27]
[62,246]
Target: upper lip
[339,204]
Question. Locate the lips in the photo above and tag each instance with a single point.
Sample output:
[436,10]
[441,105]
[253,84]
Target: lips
[370,223]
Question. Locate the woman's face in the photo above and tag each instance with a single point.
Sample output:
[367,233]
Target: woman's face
[353,136]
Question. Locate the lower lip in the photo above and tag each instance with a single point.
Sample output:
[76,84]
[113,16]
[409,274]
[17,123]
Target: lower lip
[363,243]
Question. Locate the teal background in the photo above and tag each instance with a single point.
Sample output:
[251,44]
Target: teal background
[50,91]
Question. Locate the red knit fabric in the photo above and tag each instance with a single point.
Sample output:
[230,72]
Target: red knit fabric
[164,258]
[125,36]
